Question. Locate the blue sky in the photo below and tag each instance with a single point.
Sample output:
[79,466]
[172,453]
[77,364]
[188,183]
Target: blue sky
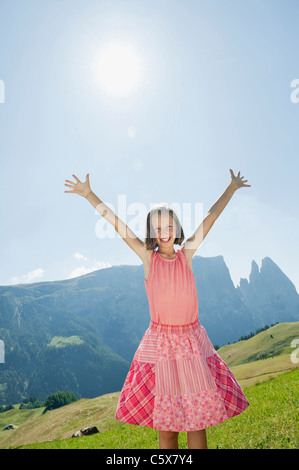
[214,94]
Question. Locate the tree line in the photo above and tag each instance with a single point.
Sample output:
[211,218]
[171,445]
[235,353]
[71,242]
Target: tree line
[250,335]
[53,401]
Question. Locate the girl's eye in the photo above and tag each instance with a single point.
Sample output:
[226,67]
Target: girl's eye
[157,229]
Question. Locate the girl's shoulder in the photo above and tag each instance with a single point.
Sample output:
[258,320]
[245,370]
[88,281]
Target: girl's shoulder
[185,253]
[147,262]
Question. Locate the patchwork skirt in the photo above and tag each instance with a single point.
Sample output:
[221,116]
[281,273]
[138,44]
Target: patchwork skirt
[178,382]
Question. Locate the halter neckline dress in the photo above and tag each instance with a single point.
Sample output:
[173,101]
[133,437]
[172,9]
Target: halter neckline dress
[177,381]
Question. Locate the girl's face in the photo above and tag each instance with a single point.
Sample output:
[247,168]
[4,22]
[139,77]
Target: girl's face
[164,229]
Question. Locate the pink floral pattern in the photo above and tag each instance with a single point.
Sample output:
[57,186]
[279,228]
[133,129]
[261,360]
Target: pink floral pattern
[177,382]
[177,347]
[189,412]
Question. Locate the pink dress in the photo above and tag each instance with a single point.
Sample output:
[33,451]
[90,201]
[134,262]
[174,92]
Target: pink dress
[177,381]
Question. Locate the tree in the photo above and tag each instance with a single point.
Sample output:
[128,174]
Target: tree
[58,399]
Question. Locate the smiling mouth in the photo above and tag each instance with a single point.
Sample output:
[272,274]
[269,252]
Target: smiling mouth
[165,240]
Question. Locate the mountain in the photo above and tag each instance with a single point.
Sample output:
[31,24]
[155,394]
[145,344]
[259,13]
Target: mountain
[81,334]
[221,312]
[269,294]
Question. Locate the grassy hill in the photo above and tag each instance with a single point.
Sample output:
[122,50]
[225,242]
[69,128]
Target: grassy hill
[60,423]
[269,422]
[276,341]
[263,356]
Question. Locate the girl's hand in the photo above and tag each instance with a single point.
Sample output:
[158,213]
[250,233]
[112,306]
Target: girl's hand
[79,188]
[237,182]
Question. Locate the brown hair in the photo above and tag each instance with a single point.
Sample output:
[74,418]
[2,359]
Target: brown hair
[150,243]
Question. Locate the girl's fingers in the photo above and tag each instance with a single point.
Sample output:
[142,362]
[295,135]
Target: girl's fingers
[239,179]
[77,179]
[68,185]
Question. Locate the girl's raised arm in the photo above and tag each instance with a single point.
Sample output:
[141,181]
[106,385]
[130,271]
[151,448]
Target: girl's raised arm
[193,242]
[83,189]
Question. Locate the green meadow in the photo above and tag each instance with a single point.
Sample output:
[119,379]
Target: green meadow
[271,385]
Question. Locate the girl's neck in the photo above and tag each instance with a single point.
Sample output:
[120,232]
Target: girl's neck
[167,253]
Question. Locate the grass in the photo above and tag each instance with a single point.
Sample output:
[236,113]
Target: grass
[61,422]
[271,420]
[17,417]
[274,344]
[271,343]
[62,342]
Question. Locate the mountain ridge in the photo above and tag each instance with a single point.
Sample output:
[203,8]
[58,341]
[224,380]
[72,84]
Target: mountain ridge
[108,311]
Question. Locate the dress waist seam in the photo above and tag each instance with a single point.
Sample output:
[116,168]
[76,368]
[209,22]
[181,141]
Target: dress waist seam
[165,328]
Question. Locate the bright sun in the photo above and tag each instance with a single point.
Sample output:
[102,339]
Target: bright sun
[119,69]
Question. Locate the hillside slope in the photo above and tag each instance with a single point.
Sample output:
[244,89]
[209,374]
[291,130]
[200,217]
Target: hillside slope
[268,423]
[275,341]
[81,334]
[63,422]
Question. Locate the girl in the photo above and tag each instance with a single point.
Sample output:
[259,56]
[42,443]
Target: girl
[177,382]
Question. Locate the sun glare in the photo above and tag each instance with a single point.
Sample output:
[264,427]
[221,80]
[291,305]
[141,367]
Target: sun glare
[119,69]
